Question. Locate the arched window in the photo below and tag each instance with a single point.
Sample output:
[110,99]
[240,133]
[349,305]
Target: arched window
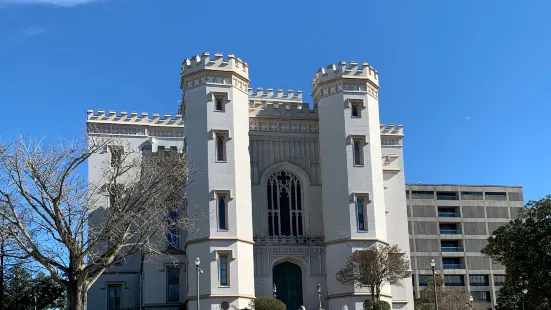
[285,212]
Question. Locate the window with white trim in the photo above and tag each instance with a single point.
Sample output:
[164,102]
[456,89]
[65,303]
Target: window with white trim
[355,109]
[361,201]
[117,153]
[114,298]
[220,139]
[222,208]
[224,269]
[358,144]
[219,103]
[172,283]
[173,232]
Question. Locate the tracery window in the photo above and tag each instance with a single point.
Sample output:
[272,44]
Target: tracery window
[285,210]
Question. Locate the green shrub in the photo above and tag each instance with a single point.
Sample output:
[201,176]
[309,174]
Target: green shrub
[267,304]
[376,305]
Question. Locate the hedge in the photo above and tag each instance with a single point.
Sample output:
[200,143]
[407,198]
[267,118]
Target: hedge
[267,304]
[376,305]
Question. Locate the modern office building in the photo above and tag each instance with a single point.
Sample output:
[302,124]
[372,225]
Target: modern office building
[451,224]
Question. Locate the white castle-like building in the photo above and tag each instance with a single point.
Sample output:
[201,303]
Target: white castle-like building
[291,191]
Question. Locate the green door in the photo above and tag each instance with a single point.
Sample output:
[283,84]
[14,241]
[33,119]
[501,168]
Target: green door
[288,281]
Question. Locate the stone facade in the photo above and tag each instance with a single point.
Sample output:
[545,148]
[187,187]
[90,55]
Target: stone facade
[286,187]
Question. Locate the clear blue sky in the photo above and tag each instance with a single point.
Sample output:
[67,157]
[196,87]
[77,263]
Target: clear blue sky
[470,80]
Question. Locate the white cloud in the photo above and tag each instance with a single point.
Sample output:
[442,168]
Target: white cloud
[65,3]
[34,31]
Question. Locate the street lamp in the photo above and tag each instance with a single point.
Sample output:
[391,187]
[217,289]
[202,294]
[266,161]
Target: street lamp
[432,265]
[471,301]
[275,291]
[199,272]
[524,292]
[319,295]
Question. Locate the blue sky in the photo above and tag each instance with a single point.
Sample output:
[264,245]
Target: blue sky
[470,80]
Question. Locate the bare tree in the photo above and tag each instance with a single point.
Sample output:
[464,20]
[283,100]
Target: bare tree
[449,298]
[374,267]
[77,229]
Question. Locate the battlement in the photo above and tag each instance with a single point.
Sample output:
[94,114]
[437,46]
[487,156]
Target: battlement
[352,70]
[132,118]
[279,95]
[392,130]
[218,63]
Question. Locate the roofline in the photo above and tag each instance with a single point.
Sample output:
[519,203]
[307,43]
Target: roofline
[463,185]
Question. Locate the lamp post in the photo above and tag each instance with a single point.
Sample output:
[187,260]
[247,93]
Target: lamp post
[199,272]
[319,295]
[432,265]
[471,301]
[524,291]
[275,291]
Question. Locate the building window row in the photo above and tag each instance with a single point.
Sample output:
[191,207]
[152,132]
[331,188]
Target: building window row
[465,195]
[459,280]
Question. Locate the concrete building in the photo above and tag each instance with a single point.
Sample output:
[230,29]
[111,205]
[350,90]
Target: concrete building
[290,190]
[450,224]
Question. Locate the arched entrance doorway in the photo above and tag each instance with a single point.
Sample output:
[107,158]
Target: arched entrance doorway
[288,280]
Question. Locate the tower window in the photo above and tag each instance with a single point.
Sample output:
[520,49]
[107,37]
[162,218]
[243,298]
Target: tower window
[117,153]
[220,147]
[219,103]
[222,212]
[355,108]
[173,284]
[114,300]
[224,269]
[173,233]
[358,151]
[361,211]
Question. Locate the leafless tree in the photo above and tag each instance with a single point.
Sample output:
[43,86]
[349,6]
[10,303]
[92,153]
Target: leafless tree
[374,267]
[77,229]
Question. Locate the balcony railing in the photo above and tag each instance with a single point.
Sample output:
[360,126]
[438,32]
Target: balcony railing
[450,231]
[452,249]
[446,197]
[448,214]
[454,266]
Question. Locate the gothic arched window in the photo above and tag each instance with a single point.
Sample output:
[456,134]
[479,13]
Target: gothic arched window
[285,212]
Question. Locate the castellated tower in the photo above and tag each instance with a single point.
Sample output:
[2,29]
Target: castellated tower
[216,115]
[350,144]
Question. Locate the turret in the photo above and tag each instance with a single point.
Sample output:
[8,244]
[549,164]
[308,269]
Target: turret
[215,108]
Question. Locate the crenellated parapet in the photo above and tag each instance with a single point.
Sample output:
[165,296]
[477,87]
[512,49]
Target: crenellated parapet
[342,70]
[218,62]
[134,124]
[278,95]
[392,130]
[391,135]
[217,71]
[279,104]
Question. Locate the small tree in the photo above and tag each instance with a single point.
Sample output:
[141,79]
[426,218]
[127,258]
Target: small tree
[448,298]
[264,303]
[23,292]
[374,267]
[77,229]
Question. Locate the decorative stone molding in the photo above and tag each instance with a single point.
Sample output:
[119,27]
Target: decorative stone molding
[347,87]
[266,256]
[342,70]
[202,80]
[112,117]
[279,95]
[283,126]
[300,240]
[391,141]
[303,151]
[116,130]
[168,133]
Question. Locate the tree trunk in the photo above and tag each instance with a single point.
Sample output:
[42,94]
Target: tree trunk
[2,254]
[76,295]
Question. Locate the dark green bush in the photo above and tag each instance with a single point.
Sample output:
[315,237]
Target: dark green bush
[376,305]
[267,304]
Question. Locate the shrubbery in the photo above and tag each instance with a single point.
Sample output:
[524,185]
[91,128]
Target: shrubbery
[376,305]
[267,304]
